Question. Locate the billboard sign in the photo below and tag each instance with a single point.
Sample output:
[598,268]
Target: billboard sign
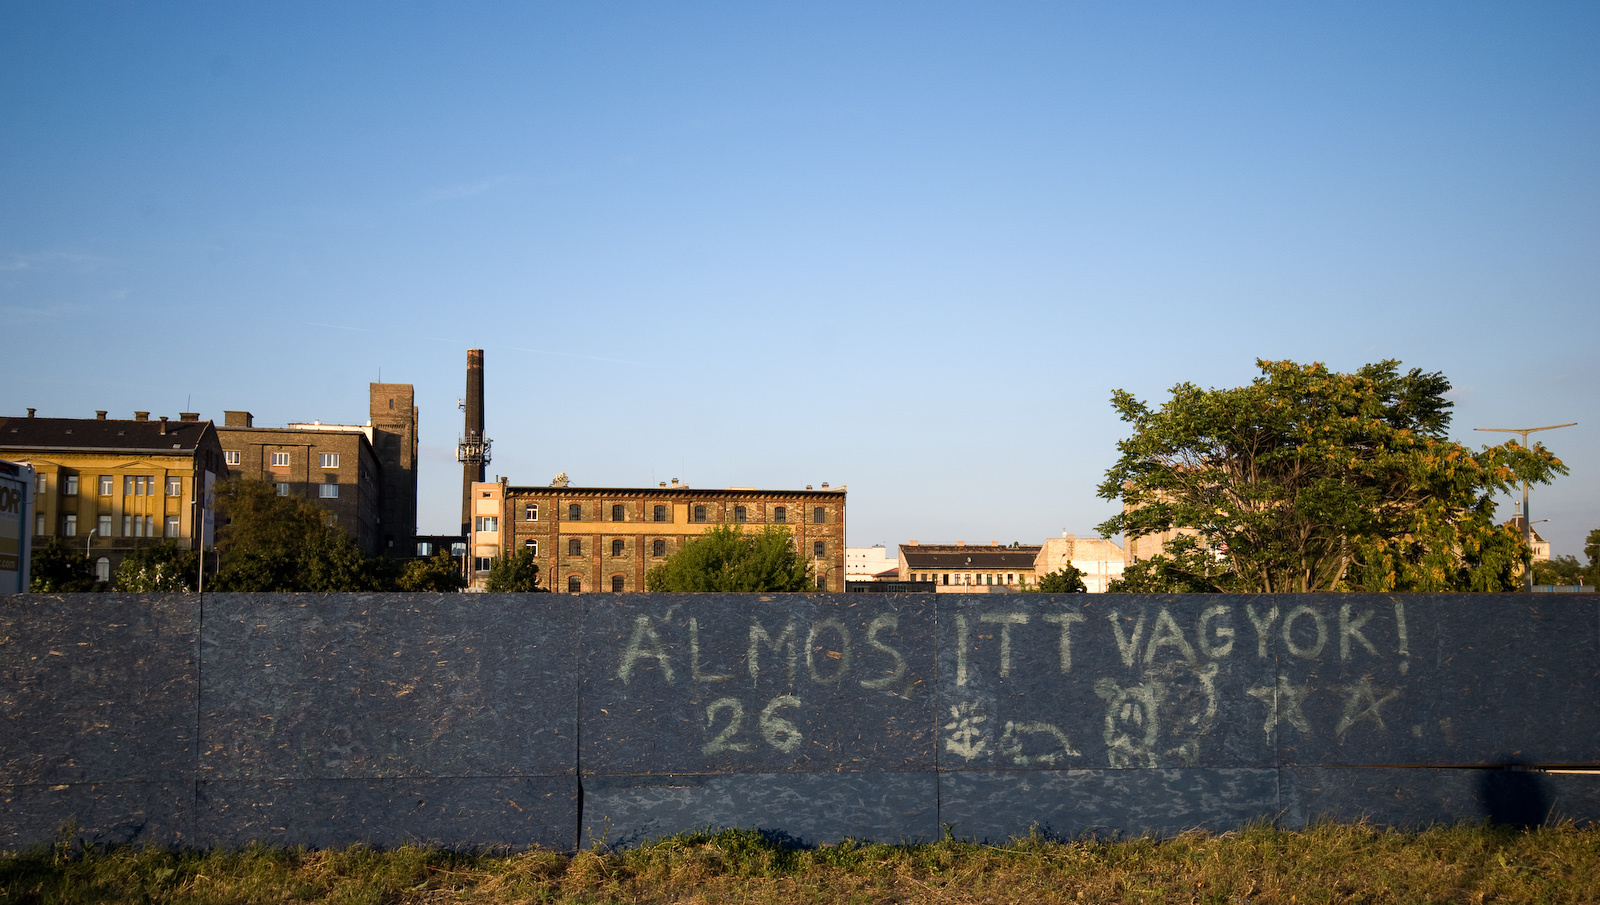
[16,509]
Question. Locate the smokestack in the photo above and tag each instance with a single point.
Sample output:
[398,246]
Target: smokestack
[473,450]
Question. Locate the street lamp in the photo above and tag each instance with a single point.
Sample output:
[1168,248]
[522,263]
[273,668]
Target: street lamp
[1527,523]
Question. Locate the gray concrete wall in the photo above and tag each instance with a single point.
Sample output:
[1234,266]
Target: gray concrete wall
[560,721]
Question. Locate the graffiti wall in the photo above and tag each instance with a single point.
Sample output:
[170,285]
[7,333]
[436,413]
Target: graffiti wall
[564,721]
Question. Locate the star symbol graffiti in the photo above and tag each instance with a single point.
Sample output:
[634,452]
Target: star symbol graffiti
[1283,704]
[1362,703]
[966,739]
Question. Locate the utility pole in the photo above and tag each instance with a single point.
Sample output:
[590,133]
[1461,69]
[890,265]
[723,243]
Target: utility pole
[1527,520]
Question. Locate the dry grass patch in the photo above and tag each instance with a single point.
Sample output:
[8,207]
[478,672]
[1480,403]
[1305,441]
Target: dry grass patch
[1323,864]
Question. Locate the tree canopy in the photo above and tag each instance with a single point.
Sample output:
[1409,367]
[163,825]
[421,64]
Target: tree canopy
[728,559]
[1309,479]
[1066,580]
[267,542]
[60,568]
[441,573]
[518,572]
[160,568]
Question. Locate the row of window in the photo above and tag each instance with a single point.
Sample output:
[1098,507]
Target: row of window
[966,578]
[619,513]
[281,459]
[132,485]
[132,526]
[619,584]
[658,547]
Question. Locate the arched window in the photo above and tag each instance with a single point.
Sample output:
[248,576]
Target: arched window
[660,513]
[574,584]
[532,546]
[102,569]
[616,547]
[699,513]
[574,547]
[574,512]
[616,512]
[738,513]
[658,547]
[780,514]
[819,515]
[616,584]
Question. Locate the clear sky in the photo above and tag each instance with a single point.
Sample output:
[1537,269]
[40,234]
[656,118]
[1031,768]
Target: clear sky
[907,247]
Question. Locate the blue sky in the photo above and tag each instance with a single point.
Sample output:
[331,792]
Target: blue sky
[908,247]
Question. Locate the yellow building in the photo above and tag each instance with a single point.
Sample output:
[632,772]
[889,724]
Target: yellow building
[115,485]
[607,538]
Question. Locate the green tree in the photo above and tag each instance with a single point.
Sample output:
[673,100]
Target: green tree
[1591,549]
[517,572]
[57,567]
[268,542]
[1066,580]
[160,568]
[1558,570]
[441,573]
[1183,567]
[1309,479]
[728,559]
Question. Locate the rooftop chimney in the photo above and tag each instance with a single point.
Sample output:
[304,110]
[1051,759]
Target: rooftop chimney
[99,414]
[30,413]
[238,419]
[163,425]
[473,450]
[141,416]
[188,416]
[824,485]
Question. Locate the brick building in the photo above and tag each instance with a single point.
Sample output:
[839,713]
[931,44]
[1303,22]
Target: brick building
[365,475]
[115,485]
[607,538]
[992,568]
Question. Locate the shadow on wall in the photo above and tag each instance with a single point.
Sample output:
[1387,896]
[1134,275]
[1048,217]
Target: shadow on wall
[1514,795]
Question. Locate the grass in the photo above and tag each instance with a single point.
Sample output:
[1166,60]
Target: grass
[1323,864]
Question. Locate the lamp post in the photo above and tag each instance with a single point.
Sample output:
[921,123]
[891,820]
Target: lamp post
[1527,522]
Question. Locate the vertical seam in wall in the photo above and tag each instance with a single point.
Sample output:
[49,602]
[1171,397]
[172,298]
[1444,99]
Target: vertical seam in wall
[933,730]
[577,723]
[199,665]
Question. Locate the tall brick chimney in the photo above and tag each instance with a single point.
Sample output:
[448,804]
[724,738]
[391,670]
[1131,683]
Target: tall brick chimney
[473,450]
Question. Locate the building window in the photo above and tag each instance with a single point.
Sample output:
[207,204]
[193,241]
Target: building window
[616,512]
[532,546]
[40,484]
[283,489]
[70,485]
[738,513]
[574,512]
[819,549]
[69,526]
[822,582]
[102,570]
[699,513]
[658,548]
[1011,578]
[574,547]
[482,563]
[659,514]
[530,512]
[486,523]
[328,491]
[780,514]
[127,485]
[328,460]
[127,526]
[819,515]
[574,584]
[944,579]
[230,456]
[458,548]
[280,459]
[174,486]
[616,584]
[38,524]
[103,526]
[616,547]
[424,548]
[172,526]
[108,485]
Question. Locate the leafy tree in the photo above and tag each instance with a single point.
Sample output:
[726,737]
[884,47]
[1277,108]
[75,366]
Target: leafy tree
[1184,567]
[1066,580]
[442,573]
[727,559]
[1308,479]
[1591,549]
[280,543]
[59,568]
[517,572]
[1558,570]
[162,568]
